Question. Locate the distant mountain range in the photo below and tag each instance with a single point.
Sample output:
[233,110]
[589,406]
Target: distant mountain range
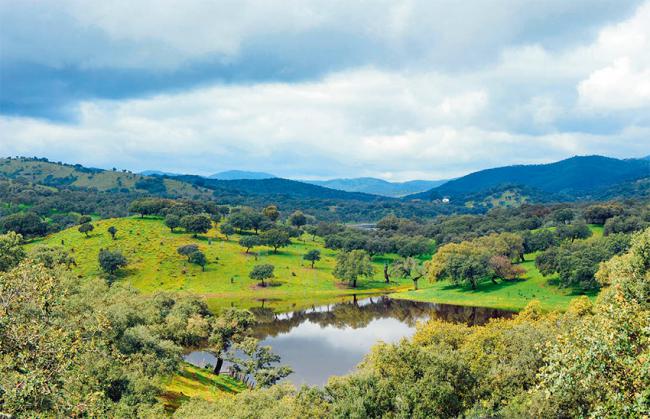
[582,177]
[241,174]
[378,186]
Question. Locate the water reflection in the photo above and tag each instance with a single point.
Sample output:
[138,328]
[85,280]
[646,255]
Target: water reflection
[332,339]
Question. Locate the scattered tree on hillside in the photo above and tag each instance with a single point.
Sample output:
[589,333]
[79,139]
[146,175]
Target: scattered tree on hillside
[51,256]
[275,238]
[248,242]
[502,267]
[351,265]
[227,230]
[27,224]
[172,221]
[297,219]
[262,272]
[187,250]
[271,212]
[111,261]
[198,258]
[84,219]
[312,256]
[86,228]
[196,224]
[112,231]
[563,215]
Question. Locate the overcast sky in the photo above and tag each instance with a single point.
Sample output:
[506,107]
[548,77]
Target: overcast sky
[324,88]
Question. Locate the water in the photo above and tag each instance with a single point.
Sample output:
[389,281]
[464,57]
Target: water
[332,339]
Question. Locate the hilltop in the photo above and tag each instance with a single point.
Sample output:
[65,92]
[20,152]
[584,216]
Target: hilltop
[376,186]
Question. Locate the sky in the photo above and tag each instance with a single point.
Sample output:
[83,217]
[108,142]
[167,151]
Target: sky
[315,89]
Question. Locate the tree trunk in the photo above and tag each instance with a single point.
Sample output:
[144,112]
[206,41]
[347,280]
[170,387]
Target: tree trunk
[218,365]
[415,283]
[494,280]
[386,276]
[354,283]
[312,264]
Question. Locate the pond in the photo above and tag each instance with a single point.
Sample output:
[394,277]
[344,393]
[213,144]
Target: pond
[332,339]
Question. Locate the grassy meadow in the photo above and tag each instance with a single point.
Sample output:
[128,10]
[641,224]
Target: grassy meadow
[154,265]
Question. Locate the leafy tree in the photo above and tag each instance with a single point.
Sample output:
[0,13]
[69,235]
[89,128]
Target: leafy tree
[172,221]
[538,240]
[563,215]
[111,261]
[196,224]
[262,272]
[414,246]
[148,206]
[297,219]
[230,327]
[198,258]
[257,363]
[241,219]
[11,251]
[27,224]
[227,230]
[275,238]
[599,214]
[462,263]
[351,265]
[389,223]
[248,242]
[84,219]
[620,224]
[408,268]
[51,256]
[573,232]
[112,231]
[503,268]
[86,228]
[312,256]
[271,212]
[187,250]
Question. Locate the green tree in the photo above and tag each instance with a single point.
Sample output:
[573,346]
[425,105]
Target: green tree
[227,230]
[230,327]
[27,224]
[172,221]
[51,256]
[297,219]
[271,212]
[248,242]
[408,268]
[275,238]
[258,363]
[196,224]
[198,258]
[86,229]
[11,251]
[463,263]
[352,265]
[312,256]
[111,261]
[187,249]
[112,231]
[262,272]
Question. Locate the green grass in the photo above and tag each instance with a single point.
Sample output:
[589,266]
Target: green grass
[193,381]
[154,265]
[506,295]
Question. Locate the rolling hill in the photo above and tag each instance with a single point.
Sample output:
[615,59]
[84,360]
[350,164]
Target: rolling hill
[241,174]
[378,186]
[582,177]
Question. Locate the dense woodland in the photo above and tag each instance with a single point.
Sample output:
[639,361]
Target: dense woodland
[79,346]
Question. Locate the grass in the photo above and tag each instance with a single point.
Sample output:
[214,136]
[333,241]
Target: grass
[506,295]
[193,381]
[154,265]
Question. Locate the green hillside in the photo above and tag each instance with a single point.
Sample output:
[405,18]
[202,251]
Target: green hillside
[55,174]
[154,265]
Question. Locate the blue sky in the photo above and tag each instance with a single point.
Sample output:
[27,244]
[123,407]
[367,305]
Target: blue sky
[317,89]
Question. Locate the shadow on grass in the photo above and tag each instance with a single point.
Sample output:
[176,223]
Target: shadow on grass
[485,286]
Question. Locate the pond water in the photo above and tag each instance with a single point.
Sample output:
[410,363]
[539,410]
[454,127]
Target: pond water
[332,339]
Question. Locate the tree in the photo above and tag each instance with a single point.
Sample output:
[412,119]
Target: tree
[573,232]
[312,256]
[248,242]
[297,219]
[27,224]
[51,256]
[241,219]
[462,263]
[503,268]
[262,272]
[257,363]
[147,206]
[351,265]
[275,238]
[198,258]
[228,328]
[563,216]
[11,251]
[172,221]
[271,212]
[187,250]
[84,219]
[227,229]
[414,246]
[86,228]
[112,231]
[196,224]
[111,261]
[389,223]
[409,268]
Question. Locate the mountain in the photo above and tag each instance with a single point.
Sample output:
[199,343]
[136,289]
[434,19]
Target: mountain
[581,177]
[157,173]
[378,186]
[278,187]
[240,174]
[44,172]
